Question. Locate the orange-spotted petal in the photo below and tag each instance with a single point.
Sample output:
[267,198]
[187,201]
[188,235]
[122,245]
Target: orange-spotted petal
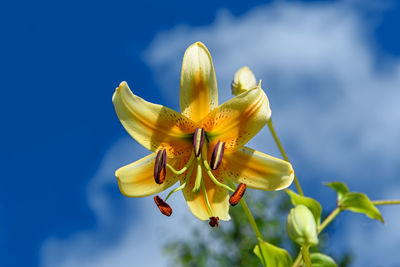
[238,120]
[198,88]
[257,170]
[153,126]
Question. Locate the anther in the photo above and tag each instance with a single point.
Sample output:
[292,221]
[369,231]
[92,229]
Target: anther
[163,206]
[214,221]
[238,194]
[198,141]
[218,153]
[159,167]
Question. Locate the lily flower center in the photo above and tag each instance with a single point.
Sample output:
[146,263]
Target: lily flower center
[202,167]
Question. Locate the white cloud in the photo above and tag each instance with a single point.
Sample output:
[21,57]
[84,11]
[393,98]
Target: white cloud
[335,109]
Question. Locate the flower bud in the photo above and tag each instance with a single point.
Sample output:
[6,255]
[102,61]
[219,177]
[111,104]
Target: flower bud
[243,80]
[301,226]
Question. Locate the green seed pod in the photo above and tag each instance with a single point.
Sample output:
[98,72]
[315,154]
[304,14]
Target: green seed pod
[301,226]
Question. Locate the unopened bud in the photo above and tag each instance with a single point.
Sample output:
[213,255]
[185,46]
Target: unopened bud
[214,221]
[163,206]
[160,166]
[198,141]
[243,80]
[218,153]
[301,226]
[238,194]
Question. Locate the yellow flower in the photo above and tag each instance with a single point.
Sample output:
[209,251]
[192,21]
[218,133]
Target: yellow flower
[202,147]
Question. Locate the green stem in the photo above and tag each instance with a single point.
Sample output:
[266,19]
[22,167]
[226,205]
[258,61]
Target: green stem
[328,219]
[297,261]
[306,255]
[386,202]
[249,216]
[285,157]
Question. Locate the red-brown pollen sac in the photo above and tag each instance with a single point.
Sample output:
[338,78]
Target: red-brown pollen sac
[214,221]
[198,140]
[160,166]
[163,206]
[216,157]
[238,194]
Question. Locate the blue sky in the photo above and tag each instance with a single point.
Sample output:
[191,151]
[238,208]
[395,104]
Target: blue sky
[331,70]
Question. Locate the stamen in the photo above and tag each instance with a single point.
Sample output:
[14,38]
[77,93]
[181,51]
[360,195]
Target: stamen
[210,174]
[178,172]
[238,194]
[199,176]
[218,153]
[189,174]
[198,140]
[214,221]
[163,206]
[159,166]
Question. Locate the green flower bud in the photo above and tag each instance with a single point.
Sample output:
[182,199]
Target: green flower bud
[301,226]
[243,80]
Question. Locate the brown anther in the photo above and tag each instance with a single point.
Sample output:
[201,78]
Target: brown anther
[160,166]
[198,140]
[216,157]
[163,206]
[214,221]
[238,194]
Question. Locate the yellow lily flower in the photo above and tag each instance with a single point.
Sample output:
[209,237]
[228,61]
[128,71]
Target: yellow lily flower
[202,147]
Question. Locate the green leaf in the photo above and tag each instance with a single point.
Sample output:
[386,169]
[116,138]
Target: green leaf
[359,202]
[272,256]
[340,188]
[310,203]
[321,260]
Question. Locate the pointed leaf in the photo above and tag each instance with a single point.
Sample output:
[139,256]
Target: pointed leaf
[321,260]
[359,202]
[340,188]
[310,203]
[272,256]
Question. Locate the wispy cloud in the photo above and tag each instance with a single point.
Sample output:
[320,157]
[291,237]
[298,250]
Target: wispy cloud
[334,107]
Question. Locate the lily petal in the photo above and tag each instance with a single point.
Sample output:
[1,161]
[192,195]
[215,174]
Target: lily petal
[257,170]
[238,120]
[198,88]
[217,196]
[153,126]
[137,178]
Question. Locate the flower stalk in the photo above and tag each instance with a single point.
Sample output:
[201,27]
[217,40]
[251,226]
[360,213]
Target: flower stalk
[285,157]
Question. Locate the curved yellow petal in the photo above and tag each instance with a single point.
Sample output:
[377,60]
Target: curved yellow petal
[137,178]
[153,126]
[198,88]
[217,196]
[257,170]
[236,121]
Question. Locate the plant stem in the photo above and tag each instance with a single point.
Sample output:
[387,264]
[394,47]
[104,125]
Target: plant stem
[386,202]
[297,261]
[278,143]
[328,219]
[249,216]
[306,255]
